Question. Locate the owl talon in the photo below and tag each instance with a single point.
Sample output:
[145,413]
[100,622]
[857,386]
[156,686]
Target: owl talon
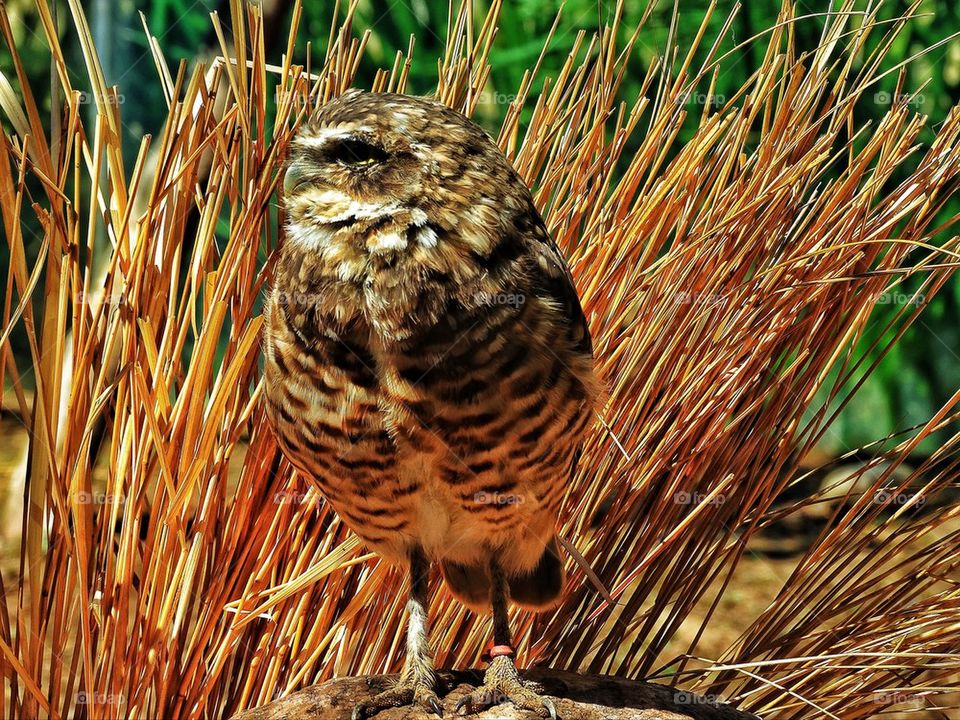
[405,692]
[502,683]
[551,708]
[465,704]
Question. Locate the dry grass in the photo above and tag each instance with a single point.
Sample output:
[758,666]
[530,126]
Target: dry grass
[722,279]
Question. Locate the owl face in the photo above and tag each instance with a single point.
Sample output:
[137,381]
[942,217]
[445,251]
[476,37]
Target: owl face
[377,174]
[356,179]
[349,172]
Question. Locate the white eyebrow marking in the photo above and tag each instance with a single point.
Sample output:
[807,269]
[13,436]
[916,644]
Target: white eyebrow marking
[325,135]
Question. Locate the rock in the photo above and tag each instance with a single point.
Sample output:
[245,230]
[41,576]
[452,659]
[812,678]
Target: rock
[577,697]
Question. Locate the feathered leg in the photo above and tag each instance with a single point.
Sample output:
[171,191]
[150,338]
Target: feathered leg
[417,681]
[501,682]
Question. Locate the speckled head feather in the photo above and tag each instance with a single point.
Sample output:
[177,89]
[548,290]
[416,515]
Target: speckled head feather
[385,160]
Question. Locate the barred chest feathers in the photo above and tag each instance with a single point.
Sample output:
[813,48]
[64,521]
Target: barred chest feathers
[428,365]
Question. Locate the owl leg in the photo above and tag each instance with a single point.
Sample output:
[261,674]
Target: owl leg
[417,681]
[501,682]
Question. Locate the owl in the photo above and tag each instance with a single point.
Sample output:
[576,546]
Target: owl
[428,366]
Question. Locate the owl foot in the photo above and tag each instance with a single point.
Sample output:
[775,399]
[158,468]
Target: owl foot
[407,691]
[502,683]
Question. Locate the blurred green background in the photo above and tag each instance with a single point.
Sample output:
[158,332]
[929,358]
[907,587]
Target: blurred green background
[911,382]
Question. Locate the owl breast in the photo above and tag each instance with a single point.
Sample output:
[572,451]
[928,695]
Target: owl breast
[445,414]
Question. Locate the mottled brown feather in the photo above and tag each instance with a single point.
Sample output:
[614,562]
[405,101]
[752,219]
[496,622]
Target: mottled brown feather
[428,363]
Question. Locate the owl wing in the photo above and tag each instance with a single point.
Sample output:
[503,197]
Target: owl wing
[554,281]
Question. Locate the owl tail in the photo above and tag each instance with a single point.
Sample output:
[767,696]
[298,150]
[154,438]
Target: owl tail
[537,589]
[540,588]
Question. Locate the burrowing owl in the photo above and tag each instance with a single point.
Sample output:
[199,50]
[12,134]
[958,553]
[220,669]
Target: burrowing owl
[428,364]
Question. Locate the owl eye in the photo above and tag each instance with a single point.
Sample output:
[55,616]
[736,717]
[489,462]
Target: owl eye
[356,153]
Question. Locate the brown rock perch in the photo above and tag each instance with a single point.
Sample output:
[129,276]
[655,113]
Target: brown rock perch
[577,697]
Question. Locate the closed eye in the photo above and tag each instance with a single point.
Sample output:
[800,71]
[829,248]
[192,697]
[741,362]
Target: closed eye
[354,152]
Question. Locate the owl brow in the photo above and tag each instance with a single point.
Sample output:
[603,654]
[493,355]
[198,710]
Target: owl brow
[319,138]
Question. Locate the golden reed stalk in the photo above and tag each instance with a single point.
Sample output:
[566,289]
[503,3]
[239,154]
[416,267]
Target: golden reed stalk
[723,280]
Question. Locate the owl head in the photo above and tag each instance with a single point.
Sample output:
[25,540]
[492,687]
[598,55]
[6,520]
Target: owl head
[386,173]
